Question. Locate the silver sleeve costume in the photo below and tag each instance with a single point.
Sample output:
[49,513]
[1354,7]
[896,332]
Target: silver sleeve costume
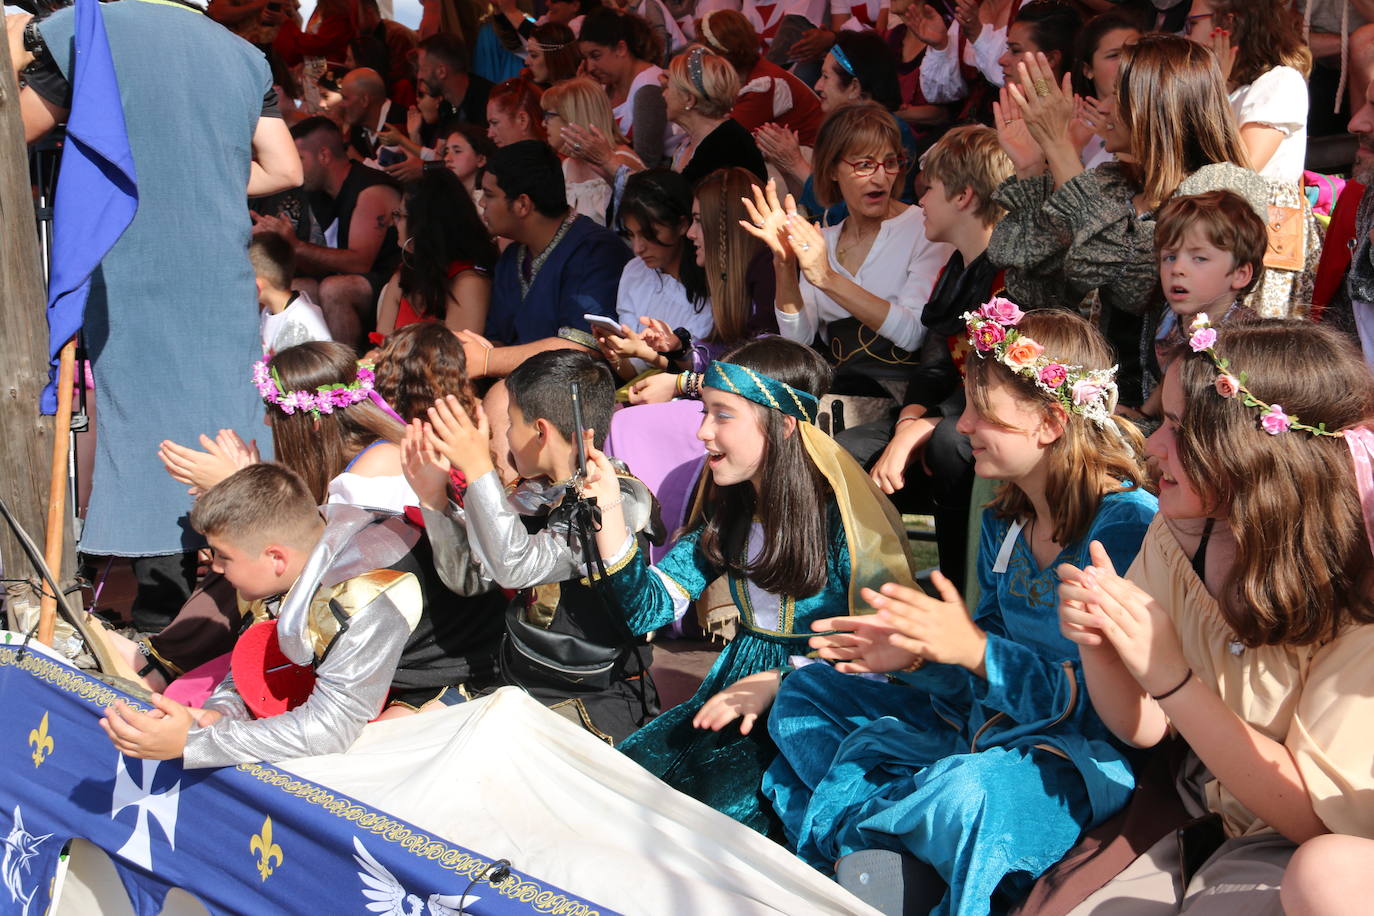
[454,558]
[351,685]
[492,530]
[348,614]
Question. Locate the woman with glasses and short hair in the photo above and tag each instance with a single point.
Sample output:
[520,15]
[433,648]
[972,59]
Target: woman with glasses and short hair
[861,66]
[856,288]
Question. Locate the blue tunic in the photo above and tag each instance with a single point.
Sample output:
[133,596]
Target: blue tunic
[723,768]
[989,780]
[580,277]
[172,318]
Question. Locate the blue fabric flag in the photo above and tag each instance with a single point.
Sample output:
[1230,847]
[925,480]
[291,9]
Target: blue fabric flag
[248,839]
[97,190]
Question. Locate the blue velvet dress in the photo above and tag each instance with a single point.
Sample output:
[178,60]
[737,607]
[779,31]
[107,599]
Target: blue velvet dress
[989,780]
[724,768]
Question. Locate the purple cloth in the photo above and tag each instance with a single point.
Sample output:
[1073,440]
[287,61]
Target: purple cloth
[659,444]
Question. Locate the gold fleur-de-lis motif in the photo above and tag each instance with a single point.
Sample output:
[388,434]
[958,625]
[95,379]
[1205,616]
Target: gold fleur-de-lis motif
[41,741]
[262,846]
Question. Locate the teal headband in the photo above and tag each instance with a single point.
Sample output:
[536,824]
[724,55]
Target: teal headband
[838,53]
[759,388]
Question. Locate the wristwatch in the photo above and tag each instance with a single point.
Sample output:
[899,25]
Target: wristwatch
[684,340]
[33,39]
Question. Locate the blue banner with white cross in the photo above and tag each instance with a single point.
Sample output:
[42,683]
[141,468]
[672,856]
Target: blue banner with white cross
[246,839]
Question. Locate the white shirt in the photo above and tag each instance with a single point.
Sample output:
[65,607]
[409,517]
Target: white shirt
[941,80]
[625,111]
[645,291]
[380,126]
[767,16]
[901,267]
[300,322]
[1278,99]
[673,136]
[392,493]
[861,14]
[1095,153]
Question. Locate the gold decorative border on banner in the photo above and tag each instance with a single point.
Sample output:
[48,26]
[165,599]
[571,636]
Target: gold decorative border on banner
[66,679]
[418,844]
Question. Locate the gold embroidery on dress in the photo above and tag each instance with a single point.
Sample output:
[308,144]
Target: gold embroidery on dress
[842,356]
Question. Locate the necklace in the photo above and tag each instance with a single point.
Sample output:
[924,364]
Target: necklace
[859,239]
[538,262]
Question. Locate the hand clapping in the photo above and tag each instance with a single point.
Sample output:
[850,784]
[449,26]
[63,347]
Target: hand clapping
[1099,609]
[465,443]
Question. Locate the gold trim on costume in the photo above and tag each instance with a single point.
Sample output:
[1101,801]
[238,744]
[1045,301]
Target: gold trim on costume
[618,565]
[175,670]
[973,745]
[1066,667]
[352,595]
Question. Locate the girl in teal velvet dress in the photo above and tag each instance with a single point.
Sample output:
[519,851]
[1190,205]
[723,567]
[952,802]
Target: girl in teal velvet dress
[980,755]
[783,511]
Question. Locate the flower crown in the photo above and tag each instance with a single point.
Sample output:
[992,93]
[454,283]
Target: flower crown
[322,400]
[1202,339]
[1090,393]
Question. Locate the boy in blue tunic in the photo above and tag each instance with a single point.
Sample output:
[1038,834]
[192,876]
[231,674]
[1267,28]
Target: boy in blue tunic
[981,757]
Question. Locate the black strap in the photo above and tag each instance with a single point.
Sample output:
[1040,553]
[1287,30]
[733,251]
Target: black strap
[1199,562]
[583,524]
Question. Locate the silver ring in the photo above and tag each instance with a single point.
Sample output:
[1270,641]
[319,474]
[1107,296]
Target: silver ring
[805,246]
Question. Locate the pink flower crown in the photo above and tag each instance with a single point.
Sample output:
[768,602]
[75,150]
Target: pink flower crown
[1090,393]
[322,400]
[1202,338]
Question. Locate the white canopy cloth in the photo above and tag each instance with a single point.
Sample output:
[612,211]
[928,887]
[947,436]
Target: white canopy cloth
[505,777]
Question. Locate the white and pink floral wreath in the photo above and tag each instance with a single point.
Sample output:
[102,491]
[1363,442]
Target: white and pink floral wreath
[992,332]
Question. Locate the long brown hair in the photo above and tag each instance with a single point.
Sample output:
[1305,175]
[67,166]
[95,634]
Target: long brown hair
[1266,34]
[421,363]
[1088,461]
[728,248]
[320,449]
[793,497]
[1303,565]
[1172,100]
[564,58]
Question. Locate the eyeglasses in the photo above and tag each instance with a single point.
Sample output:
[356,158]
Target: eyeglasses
[863,168]
[1193,20]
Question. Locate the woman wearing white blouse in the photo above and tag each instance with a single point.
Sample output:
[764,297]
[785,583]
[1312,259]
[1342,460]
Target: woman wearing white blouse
[663,288]
[1260,46]
[859,285]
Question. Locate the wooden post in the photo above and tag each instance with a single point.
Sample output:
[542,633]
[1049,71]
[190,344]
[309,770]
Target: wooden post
[26,439]
[57,490]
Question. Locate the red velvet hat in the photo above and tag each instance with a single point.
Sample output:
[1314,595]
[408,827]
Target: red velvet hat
[265,678]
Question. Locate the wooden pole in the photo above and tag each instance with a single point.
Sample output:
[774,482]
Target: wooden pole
[57,489]
[26,439]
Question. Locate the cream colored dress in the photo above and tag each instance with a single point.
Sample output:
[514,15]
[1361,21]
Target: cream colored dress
[1316,700]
